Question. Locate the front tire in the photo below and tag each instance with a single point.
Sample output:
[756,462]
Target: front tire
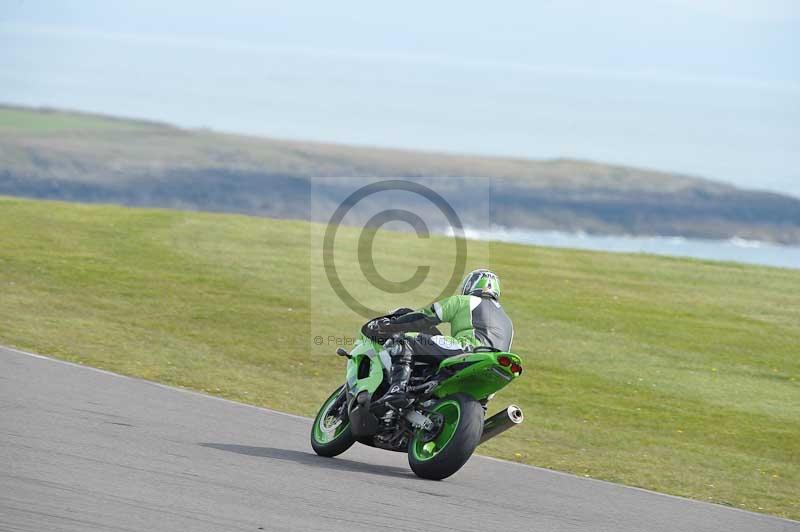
[438,454]
[330,433]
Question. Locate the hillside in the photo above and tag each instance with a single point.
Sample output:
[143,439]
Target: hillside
[82,157]
[675,375]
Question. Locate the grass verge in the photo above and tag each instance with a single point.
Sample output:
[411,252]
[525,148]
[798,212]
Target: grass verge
[674,375]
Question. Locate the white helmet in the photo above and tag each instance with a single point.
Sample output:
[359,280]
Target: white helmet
[483,283]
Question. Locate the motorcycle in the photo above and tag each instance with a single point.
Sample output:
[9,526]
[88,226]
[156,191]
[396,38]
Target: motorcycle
[444,422]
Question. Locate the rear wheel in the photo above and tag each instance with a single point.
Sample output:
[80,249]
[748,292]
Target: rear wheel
[330,434]
[439,453]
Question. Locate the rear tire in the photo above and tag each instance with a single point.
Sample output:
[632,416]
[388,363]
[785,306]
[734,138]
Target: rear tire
[330,434]
[437,456]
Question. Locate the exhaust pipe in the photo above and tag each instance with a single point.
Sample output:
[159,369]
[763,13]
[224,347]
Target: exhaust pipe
[501,422]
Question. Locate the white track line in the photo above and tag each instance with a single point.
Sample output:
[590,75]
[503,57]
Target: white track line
[152,383]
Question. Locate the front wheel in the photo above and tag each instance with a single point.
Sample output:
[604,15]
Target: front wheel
[330,434]
[439,453]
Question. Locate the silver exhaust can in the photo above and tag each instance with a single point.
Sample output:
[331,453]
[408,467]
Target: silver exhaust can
[501,422]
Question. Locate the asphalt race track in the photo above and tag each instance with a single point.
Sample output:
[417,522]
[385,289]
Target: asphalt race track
[83,450]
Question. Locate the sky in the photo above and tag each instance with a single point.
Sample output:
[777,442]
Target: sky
[702,87]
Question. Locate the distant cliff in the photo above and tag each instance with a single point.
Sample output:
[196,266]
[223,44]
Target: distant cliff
[90,158]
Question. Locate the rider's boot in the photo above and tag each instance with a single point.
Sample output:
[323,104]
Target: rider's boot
[397,396]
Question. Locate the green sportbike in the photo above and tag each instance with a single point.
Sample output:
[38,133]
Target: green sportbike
[441,427]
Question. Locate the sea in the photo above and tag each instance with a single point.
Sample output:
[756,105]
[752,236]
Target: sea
[731,250]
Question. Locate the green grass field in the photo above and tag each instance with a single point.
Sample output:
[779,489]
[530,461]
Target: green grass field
[674,375]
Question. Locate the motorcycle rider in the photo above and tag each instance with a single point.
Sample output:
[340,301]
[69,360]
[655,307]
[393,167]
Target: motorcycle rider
[476,319]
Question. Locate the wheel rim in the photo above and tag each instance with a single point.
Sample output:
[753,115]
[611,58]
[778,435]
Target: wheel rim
[426,448]
[328,426]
